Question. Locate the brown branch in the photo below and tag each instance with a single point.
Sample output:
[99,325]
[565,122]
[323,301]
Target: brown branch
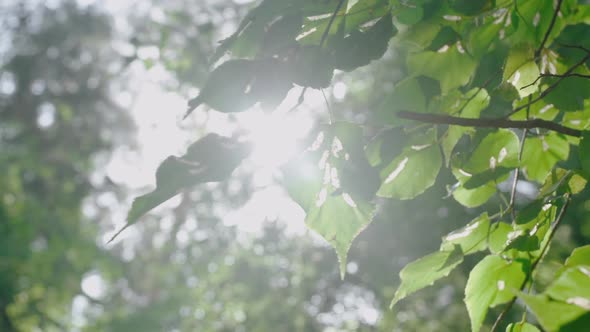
[489,122]
[548,32]
[535,263]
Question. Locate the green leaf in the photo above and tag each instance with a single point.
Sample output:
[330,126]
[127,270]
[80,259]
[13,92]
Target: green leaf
[361,47]
[530,212]
[451,66]
[499,237]
[490,283]
[499,148]
[409,14]
[407,95]
[521,70]
[572,286]
[312,67]
[579,256]
[474,197]
[522,327]
[315,181]
[346,21]
[481,39]
[212,158]
[560,181]
[425,271]
[496,175]
[227,87]
[557,315]
[570,93]
[414,171]
[540,154]
[471,238]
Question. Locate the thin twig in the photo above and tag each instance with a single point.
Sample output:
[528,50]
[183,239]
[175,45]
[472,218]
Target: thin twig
[489,122]
[332,18]
[579,47]
[555,75]
[517,170]
[551,87]
[330,115]
[548,32]
[552,231]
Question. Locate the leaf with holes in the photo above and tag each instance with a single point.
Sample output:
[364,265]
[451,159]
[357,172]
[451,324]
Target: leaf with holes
[318,182]
[491,282]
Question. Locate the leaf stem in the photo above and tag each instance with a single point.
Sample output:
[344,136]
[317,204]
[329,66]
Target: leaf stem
[517,170]
[332,18]
[548,32]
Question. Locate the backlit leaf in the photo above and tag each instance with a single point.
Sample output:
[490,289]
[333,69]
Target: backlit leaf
[212,158]
[491,282]
[424,271]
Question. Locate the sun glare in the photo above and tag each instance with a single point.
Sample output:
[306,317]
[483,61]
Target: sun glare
[275,135]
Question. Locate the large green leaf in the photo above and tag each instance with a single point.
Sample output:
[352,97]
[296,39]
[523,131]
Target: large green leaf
[212,158]
[452,67]
[491,282]
[414,171]
[322,183]
[499,148]
[425,271]
[540,154]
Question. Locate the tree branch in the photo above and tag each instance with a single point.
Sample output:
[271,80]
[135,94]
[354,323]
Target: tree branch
[489,122]
[548,32]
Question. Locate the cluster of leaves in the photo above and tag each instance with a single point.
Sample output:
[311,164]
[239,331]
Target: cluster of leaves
[518,62]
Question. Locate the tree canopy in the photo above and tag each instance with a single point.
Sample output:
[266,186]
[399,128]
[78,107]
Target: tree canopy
[494,92]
